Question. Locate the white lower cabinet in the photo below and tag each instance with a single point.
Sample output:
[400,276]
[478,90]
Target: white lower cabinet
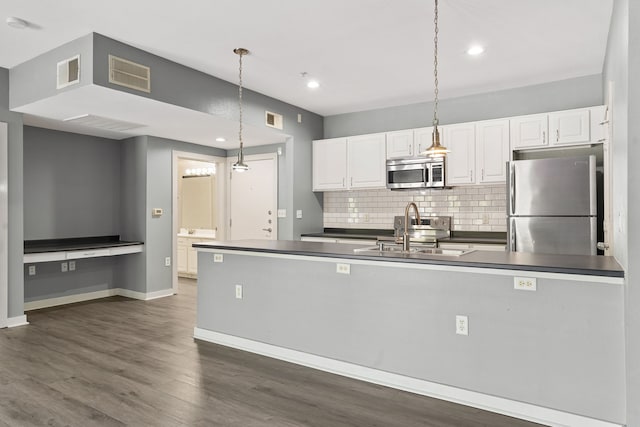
[188,256]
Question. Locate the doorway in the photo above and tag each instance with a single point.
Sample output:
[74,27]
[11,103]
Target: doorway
[199,212]
[253,199]
[4,225]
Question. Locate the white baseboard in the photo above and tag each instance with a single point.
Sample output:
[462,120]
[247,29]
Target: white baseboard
[145,296]
[70,299]
[12,322]
[499,405]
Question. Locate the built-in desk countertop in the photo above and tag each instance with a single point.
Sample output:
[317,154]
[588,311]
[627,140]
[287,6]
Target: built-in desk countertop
[77,247]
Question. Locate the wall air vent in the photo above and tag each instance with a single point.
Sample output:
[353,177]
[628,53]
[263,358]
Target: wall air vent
[273,120]
[129,74]
[68,72]
[102,123]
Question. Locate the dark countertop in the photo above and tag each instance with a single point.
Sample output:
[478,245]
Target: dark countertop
[75,244]
[564,264]
[480,237]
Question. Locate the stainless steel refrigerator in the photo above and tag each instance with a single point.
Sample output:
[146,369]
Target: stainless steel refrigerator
[552,205]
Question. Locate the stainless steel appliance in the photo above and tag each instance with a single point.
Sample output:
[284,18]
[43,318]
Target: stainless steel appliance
[552,205]
[426,233]
[415,173]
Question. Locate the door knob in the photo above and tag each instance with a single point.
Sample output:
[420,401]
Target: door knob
[267,229]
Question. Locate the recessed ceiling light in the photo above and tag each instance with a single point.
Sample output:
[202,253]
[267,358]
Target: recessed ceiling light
[475,50]
[313,84]
[220,139]
[18,23]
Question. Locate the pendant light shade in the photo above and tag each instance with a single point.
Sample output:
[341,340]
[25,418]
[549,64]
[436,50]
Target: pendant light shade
[436,149]
[240,165]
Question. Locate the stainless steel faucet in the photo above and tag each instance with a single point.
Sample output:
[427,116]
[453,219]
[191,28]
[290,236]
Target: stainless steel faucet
[405,237]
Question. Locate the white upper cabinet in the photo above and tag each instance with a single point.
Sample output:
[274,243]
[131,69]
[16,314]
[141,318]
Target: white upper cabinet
[400,144]
[408,143]
[570,127]
[366,161]
[461,141]
[529,131]
[330,164]
[422,139]
[492,150]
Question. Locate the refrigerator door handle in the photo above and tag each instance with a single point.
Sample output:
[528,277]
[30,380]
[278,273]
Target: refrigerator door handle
[512,235]
[512,188]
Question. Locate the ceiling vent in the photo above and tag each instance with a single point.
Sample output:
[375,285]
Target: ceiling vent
[129,74]
[273,120]
[68,72]
[102,123]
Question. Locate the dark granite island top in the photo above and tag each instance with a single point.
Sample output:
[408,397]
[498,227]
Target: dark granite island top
[562,264]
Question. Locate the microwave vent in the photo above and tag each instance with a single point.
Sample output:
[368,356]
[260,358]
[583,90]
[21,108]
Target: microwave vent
[129,74]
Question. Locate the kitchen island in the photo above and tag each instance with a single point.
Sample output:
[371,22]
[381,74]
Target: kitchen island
[554,355]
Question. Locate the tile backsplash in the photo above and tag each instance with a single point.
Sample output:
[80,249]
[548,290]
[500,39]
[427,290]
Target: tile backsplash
[473,208]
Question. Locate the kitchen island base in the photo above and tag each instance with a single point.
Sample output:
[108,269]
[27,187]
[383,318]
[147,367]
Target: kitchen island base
[553,356]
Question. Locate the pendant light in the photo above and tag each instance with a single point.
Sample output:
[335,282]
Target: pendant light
[240,165]
[435,150]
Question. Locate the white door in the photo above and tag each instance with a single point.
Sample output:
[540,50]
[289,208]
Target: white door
[4,226]
[253,199]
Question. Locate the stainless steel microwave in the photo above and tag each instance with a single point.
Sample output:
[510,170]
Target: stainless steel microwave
[415,173]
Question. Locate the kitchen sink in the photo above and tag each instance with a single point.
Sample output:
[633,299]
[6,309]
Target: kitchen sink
[395,248]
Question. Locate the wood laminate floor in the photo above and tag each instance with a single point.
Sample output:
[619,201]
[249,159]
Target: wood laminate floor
[117,361]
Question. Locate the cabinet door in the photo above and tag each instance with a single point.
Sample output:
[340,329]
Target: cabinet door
[182,255]
[367,161]
[330,164]
[461,141]
[492,150]
[422,139]
[192,258]
[400,144]
[569,127]
[529,131]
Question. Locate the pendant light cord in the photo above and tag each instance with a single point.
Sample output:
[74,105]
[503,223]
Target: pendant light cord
[435,66]
[241,54]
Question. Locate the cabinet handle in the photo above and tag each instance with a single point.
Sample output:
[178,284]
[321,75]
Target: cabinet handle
[470,174]
[352,181]
[544,137]
[557,135]
[343,183]
[602,139]
[482,172]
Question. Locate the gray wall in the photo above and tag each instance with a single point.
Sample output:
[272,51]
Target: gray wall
[36,79]
[71,185]
[179,85]
[16,229]
[622,68]
[560,95]
[147,165]
[547,347]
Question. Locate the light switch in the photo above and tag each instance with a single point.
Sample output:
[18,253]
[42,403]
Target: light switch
[299,214]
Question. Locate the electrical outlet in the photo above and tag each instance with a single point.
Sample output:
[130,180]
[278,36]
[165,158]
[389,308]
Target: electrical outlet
[299,214]
[343,268]
[32,270]
[72,265]
[167,261]
[64,267]
[238,291]
[218,258]
[524,283]
[462,325]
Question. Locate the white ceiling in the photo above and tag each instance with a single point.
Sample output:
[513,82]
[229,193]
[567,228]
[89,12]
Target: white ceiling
[366,53]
